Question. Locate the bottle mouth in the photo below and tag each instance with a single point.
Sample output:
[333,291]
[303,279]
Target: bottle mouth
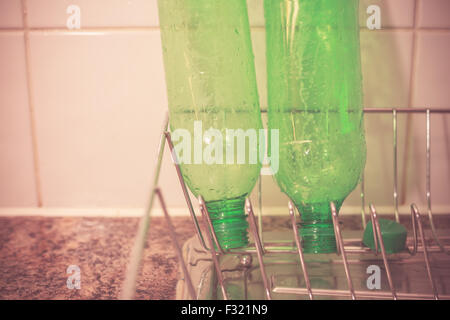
[316,228]
[317,237]
[229,222]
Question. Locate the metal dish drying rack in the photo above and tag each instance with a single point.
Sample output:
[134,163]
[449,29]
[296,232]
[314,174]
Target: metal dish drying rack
[418,244]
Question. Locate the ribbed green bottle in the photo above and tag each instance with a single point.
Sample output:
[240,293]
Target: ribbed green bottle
[211,85]
[315,100]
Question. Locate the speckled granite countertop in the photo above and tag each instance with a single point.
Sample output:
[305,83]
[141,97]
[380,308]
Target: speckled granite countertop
[35,253]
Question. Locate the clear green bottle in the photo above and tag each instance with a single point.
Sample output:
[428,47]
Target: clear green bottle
[211,83]
[315,100]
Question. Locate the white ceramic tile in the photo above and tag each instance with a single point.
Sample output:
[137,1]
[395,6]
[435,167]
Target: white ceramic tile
[440,155]
[386,63]
[434,14]
[17,181]
[412,168]
[394,13]
[379,172]
[256,12]
[433,70]
[10,14]
[411,162]
[100,103]
[440,166]
[99,97]
[386,58]
[259,51]
[94,13]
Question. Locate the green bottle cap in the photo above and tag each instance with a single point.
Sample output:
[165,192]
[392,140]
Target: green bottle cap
[393,233]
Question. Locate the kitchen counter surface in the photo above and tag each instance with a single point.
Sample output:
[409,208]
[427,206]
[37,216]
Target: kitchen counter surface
[36,251]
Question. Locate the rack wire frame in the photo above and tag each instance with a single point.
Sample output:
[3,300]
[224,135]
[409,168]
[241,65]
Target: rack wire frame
[261,248]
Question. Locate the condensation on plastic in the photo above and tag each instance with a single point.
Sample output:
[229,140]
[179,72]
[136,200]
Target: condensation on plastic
[210,77]
[315,100]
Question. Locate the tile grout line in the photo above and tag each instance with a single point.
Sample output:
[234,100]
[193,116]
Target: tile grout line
[28,30]
[95,29]
[417,10]
[157,28]
[411,91]
[34,143]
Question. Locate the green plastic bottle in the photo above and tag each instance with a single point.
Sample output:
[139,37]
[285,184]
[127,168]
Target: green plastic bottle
[315,100]
[211,84]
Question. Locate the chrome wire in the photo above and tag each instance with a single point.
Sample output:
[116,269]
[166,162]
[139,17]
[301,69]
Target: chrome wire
[260,248]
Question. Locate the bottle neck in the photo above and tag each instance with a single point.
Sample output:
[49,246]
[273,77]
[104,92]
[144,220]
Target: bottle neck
[316,227]
[229,222]
[311,213]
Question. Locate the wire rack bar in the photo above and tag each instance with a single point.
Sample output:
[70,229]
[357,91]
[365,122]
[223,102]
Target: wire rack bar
[394,129]
[362,294]
[129,285]
[363,203]
[259,248]
[406,110]
[418,223]
[379,239]
[177,246]
[344,246]
[208,221]
[340,242]
[428,183]
[184,188]
[299,250]
[210,230]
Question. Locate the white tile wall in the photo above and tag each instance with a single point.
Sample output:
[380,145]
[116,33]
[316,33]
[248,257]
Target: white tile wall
[394,14]
[259,50]
[100,102]
[10,14]
[440,169]
[433,70]
[434,13]
[99,99]
[17,180]
[94,13]
[256,12]
[386,64]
